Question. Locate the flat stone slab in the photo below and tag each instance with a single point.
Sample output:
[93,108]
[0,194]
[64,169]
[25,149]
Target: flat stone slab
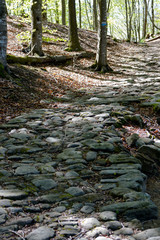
[41,233]
[13,194]
[142,210]
[25,170]
[155,232]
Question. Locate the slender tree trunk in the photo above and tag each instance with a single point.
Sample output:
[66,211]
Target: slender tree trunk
[73,43]
[145,19]
[95,21]
[3,36]
[101,56]
[36,36]
[63,2]
[127,22]
[139,21]
[87,14]
[152,8]
[57,12]
[80,14]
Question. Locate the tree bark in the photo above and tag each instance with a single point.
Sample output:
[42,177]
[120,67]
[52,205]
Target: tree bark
[152,8]
[87,14]
[127,21]
[73,43]
[95,21]
[101,56]
[63,12]
[3,38]
[36,36]
[145,19]
[57,12]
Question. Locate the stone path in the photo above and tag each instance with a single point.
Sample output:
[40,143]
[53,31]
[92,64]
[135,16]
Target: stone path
[65,173]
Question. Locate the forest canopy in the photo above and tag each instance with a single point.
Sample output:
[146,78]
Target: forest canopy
[133,20]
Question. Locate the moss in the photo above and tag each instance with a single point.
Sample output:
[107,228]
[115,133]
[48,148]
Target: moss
[156,107]
[2,71]
[30,189]
[1,175]
[65,196]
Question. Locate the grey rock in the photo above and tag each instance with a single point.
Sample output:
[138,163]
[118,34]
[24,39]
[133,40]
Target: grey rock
[154,238]
[91,156]
[5,203]
[60,209]
[124,231]
[17,120]
[103,238]
[141,210]
[23,149]
[44,184]
[76,167]
[136,196]
[71,174]
[149,152]
[130,184]
[25,170]
[149,155]
[14,210]
[53,214]
[69,232]
[2,151]
[41,233]
[106,186]
[97,231]
[131,140]
[13,194]
[25,221]
[70,153]
[108,216]
[123,158]
[89,223]
[87,209]
[75,191]
[113,225]
[3,218]
[120,192]
[135,119]
[117,172]
[155,232]
[47,168]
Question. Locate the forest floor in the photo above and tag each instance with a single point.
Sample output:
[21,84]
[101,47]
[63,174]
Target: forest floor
[133,84]
[40,85]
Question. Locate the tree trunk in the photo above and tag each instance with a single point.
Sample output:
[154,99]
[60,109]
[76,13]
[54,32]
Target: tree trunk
[95,22]
[152,7]
[73,43]
[145,19]
[3,36]
[101,56]
[63,12]
[127,21]
[57,12]
[87,14]
[36,36]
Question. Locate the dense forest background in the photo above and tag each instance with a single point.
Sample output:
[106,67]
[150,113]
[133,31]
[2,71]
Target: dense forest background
[133,20]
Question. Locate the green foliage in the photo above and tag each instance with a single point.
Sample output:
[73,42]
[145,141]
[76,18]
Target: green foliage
[50,31]
[24,37]
[49,39]
[117,24]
